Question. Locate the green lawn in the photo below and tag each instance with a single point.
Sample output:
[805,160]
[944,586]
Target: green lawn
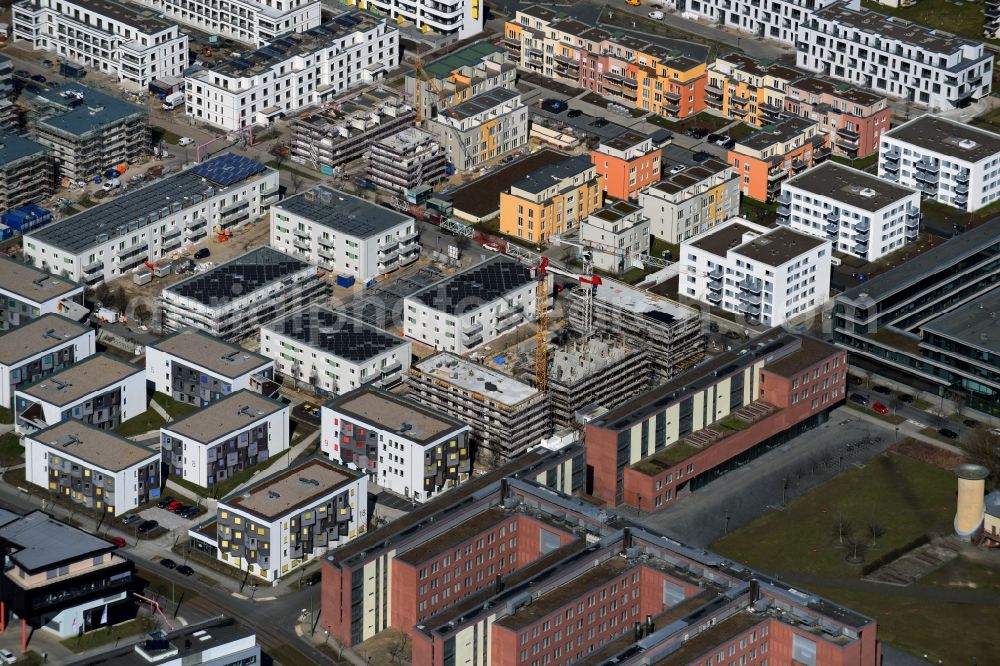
[657,246]
[107,635]
[704,119]
[137,425]
[671,455]
[6,415]
[285,166]
[861,164]
[989,120]
[957,17]
[740,131]
[11,451]
[225,487]
[172,407]
[758,211]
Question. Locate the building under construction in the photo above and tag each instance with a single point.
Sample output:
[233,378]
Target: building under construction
[668,331]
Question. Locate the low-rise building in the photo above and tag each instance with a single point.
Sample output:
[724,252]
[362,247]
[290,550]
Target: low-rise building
[101,390]
[855,118]
[293,71]
[405,160]
[778,20]
[94,468]
[470,308]
[484,127]
[197,369]
[617,236]
[150,223]
[765,159]
[458,77]
[214,642]
[459,20]
[224,438]
[767,275]
[27,293]
[247,21]
[858,213]
[740,87]
[627,163]
[403,446]
[693,196]
[27,173]
[344,233]
[946,160]
[334,353]
[231,300]
[39,348]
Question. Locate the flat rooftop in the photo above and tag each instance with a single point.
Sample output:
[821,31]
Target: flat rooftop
[217,356]
[481,197]
[850,187]
[36,336]
[720,240]
[32,284]
[79,380]
[343,212]
[407,141]
[780,132]
[41,542]
[552,174]
[693,173]
[455,536]
[624,141]
[81,110]
[471,376]
[839,89]
[615,211]
[640,301]
[337,333]
[235,412]
[483,102]
[948,137]
[975,324]
[101,448]
[475,287]
[257,269]
[14,148]
[891,27]
[468,56]
[291,489]
[185,645]
[811,352]
[144,20]
[778,246]
[710,639]
[390,411]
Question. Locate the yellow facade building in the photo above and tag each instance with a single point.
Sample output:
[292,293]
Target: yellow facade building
[551,200]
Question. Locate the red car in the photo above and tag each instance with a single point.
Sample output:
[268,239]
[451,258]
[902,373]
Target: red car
[173,505]
[118,541]
[880,408]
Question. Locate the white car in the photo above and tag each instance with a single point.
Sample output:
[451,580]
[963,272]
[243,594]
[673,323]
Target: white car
[185,141]
[656,16]
[7,657]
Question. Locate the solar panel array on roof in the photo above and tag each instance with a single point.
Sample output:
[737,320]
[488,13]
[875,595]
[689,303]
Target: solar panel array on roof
[337,333]
[228,169]
[472,288]
[238,277]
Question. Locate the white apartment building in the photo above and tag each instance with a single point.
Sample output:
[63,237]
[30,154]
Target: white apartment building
[616,235]
[293,71]
[221,440]
[952,162]
[486,126]
[472,307]
[334,353]
[692,198]
[39,348]
[27,293]
[778,20]
[151,222]
[457,18]
[343,233]
[895,57]
[402,445]
[95,468]
[247,21]
[767,275]
[857,212]
[106,36]
[195,368]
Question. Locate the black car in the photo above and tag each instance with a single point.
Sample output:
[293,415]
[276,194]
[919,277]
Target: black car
[168,563]
[699,133]
[23,73]
[147,526]
[855,381]
[575,113]
[162,504]
[189,512]
[202,253]
[33,89]
[39,78]
[729,145]
[960,228]
[600,122]
[713,327]
[905,397]
[712,138]
[882,389]
[860,399]
[314,578]
[701,156]
[732,335]
[554,105]
[946,432]
[180,507]
[185,569]
[971,423]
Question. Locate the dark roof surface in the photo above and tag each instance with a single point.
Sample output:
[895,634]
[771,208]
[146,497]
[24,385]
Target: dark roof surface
[476,286]
[481,197]
[343,212]
[851,187]
[948,137]
[552,174]
[337,333]
[44,542]
[238,277]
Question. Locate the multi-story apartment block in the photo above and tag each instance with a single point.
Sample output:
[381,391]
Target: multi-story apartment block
[247,21]
[95,468]
[551,200]
[625,69]
[110,37]
[713,418]
[90,131]
[458,77]
[765,159]
[485,127]
[231,300]
[150,223]
[224,438]
[459,19]
[991,20]
[403,446]
[627,163]
[343,233]
[197,369]
[889,55]
[288,519]
[694,196]
[333,353]
[345,130]
[27,174]
[777,20]
[27,293]
[743,88]
[8,109]
[857,212]
[506,416]
[949,161]
[470,308]
[854,118]
[616,235]
[62,579]
[39,348]
[101,390]
[293,71]
[407,159]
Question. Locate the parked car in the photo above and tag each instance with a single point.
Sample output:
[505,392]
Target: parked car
[23,73]
[165,501]
[7,657]
[729,145]
[676,169]
[129,519]
[656,16]
[995,431]
[880,408]
[185,569]
[168,563]
[713,327]
[860,399]
[48,63]
[884,390]
[712,138]
[190,512]
[947,432]
[314,578]
[38,78]
[855,381]
[118,541]
[905,397]
[173,505]
[185,141]
[971,423]
[180,508]
[575,113]
[960,228]
[202,253]
[147,526]
[721,140]
[600,122]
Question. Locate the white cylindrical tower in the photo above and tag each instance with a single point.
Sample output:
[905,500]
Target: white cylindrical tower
[971,503]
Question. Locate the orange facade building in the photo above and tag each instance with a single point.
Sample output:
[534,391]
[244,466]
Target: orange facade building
[627,163]
[767,158]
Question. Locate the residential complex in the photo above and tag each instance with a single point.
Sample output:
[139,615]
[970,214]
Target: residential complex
[484,127]
[742,88]
[766,158]
[27,293]
[458,77]
[149,223]
[692,197]
[767,275]
[112,38]
[858,213]
[854,118]
[39,348]
[778,20]
[344,233]
[27,172]
[460,20]
[197,369]
[627,163]
[946,160]
[617,236]
[231,300]
[333,353]
[405,160]
[224,438]
[403,446]
[94,468]
[887,54]
[101,390]
[551,200]
[246,21]
[286,520]
[293,71]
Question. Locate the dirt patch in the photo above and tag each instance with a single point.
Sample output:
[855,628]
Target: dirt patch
[928,453]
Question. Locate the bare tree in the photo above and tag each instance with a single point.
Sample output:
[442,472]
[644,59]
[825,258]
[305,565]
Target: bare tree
[119,299]
[102,294]
[842,529]
[983,448]
[875,531]
[855,548]
[141,314]
[400,649]
[297,181]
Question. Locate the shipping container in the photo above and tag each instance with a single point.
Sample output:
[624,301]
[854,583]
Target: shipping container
[142,276]
[345,281]
[26,218]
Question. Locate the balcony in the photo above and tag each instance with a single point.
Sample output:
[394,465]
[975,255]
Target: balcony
[928,178]
[962,188]
[715,297]
[406,238]
[892,154]
[326,254]
[748,308]
[775,174]
[891,167]
[799,165]
[962,177]
[784,211]
[301,233]
[784,198]
[753,299]
[928,167]
[94,267]
[832,229]
[751,285]
[832,216]
[301,244]
[715,91]
[387,266]
[861,237]
[388,245]
[862,227]
[860,248]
